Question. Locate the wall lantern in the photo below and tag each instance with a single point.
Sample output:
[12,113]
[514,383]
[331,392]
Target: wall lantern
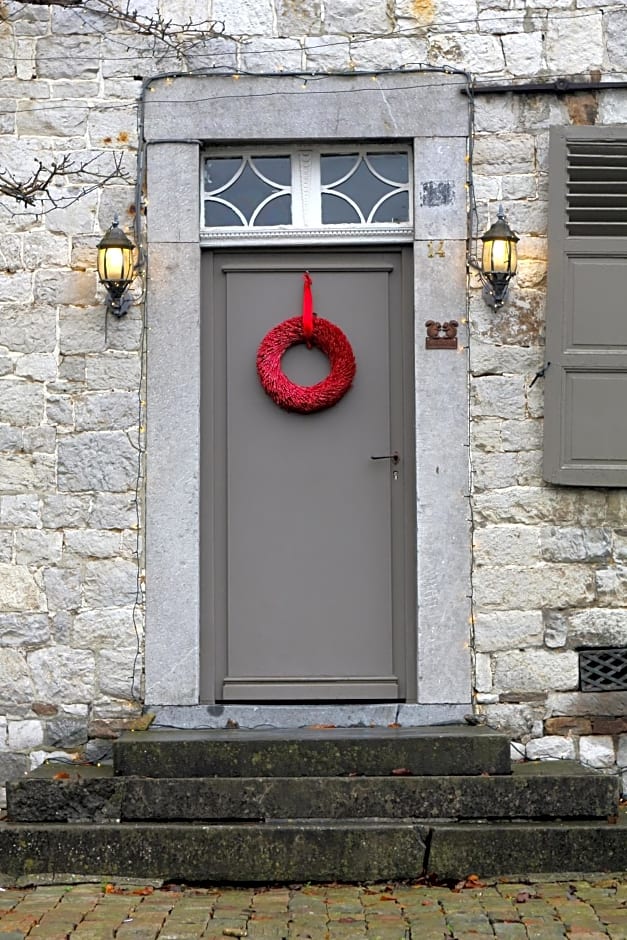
[116,268]
[499,259]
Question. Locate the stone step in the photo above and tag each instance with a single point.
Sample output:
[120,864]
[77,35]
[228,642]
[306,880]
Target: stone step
[535,790]
[324,850]
[433,751]
[528,848]
[254,853]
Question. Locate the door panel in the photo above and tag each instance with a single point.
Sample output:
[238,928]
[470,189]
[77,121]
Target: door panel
[305,529]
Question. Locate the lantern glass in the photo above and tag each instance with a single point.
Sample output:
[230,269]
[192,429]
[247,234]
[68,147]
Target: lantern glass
[115,263]
[499,256]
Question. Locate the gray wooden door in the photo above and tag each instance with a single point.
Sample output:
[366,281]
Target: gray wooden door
[308,544]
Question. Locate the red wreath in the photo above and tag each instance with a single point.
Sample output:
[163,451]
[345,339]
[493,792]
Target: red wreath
[313,331]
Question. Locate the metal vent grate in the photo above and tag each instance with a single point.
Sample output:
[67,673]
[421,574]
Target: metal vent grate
[603,670]
[596,196]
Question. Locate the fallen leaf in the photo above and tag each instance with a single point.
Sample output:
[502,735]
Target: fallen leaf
[118,889]
[402,772]
[321,727]
[387,897]
[394,724]
[61,775]
[113,889]
[471,881]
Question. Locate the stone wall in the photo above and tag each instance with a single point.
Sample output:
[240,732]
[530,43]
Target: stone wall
[70,621]
[550,564]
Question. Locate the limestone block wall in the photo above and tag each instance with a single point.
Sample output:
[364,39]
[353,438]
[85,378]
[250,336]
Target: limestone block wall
[70,400]
[550,564]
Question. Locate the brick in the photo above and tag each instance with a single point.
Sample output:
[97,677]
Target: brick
[568,725]
[608,726]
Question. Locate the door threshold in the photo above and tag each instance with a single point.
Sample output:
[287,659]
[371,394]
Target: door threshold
[305,715]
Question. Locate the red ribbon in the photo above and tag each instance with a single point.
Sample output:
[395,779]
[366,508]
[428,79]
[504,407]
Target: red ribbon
[308,314]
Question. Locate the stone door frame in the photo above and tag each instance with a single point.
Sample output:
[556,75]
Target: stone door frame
[181,116]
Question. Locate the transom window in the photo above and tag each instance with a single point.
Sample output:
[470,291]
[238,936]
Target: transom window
[329,190]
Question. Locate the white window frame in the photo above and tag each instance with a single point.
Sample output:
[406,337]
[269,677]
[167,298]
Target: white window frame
[306,190]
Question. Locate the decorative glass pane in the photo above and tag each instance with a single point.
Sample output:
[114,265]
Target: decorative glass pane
[247,191]
[278,211]
[241,190]
[219,215]
[220,171]
[390,166]
[394,208]
[276,170]
[334,167]
[367,182]
[336,210]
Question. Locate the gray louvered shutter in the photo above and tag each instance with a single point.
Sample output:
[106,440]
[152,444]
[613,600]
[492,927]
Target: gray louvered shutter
[585,428]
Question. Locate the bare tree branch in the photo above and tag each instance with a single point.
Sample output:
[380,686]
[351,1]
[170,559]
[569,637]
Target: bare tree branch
[37,191]
[40,190]
[173,34]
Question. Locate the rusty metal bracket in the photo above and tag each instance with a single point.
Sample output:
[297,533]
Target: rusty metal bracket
[559,86]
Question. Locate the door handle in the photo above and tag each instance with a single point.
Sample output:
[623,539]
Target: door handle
[394,457]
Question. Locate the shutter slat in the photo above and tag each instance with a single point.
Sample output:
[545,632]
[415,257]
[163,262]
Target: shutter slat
[598,212]
[598,174]
[595,200]
[587,230]
[594,186]
[596,189]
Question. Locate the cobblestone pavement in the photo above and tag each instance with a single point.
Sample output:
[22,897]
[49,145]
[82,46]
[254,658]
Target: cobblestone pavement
[582,910]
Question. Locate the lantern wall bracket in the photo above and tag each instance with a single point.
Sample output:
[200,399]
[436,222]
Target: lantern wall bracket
[119,306]
[497,268]
[494,292]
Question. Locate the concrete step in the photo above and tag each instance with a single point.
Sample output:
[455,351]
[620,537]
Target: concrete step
[557,789]
[528,848]
[255,853]
[432,751]
[322,850]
